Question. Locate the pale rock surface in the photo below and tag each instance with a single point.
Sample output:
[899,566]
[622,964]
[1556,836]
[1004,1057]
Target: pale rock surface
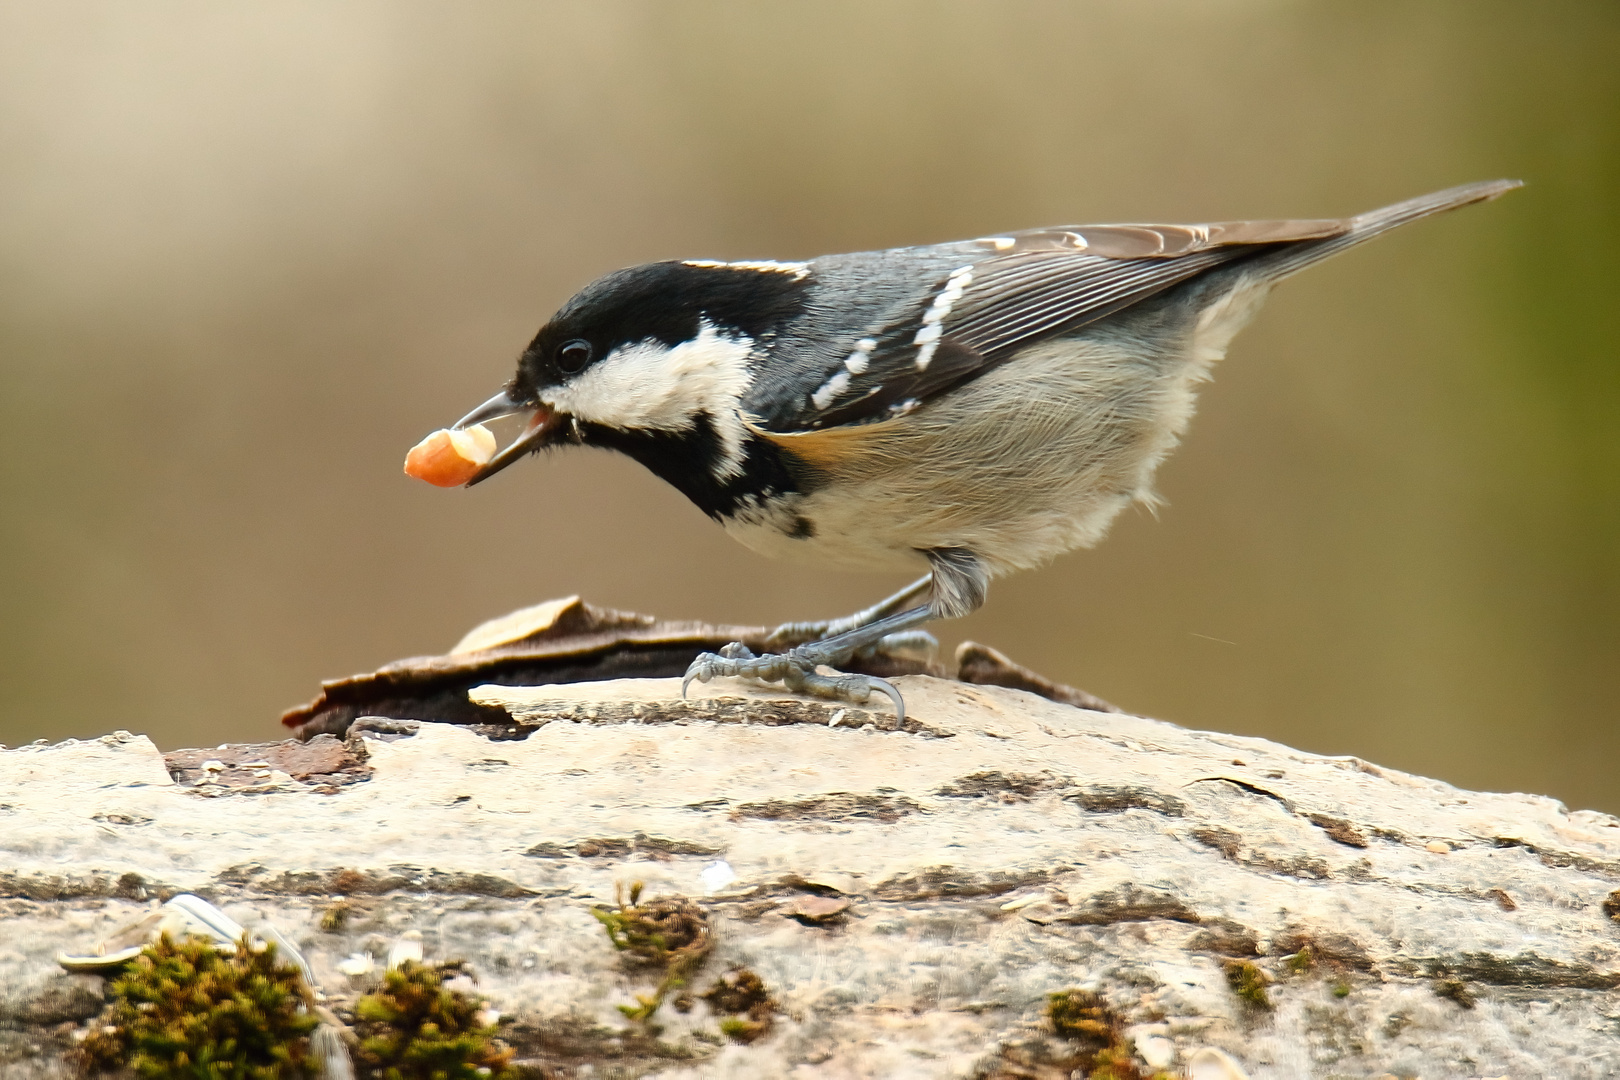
[1001,848]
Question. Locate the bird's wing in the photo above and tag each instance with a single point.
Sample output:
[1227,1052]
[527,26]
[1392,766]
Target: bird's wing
[1010,291]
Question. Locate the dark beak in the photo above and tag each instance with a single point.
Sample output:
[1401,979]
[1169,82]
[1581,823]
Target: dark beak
[543,423]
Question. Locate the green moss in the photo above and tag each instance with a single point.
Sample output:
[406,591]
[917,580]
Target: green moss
[1455,990]
[415,1028]
[187,1011]
[670,936]
[739,1029]
[742,995]
[1081,1015]
[1101,1051]
[1113,1063]
[1302,962]
[1341,990]
[1248,982]
[336,917]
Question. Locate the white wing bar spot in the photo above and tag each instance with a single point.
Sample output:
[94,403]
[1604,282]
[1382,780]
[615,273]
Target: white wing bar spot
[830,389]
[858,361]
[838,382]
[927,338]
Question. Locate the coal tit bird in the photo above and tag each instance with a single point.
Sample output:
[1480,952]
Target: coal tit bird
[967,408]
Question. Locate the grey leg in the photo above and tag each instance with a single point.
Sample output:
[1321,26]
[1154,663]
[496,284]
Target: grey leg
[796,633]
[955,587]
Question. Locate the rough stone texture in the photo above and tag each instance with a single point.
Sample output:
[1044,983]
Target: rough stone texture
[1000,848]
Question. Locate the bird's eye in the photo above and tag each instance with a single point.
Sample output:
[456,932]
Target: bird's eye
[573,357]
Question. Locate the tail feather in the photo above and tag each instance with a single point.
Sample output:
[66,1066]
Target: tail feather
[1363,227]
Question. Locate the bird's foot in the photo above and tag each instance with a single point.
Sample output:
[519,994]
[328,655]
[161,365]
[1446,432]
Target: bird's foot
[796,670]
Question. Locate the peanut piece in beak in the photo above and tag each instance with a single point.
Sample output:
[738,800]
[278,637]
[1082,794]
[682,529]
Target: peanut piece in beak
[448,458]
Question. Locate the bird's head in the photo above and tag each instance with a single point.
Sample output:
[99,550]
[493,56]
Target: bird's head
[653,349]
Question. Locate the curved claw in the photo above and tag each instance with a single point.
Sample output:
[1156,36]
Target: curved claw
[697,671]
[894,695]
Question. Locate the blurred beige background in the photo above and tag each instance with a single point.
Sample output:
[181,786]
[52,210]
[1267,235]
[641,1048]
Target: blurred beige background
[250,253]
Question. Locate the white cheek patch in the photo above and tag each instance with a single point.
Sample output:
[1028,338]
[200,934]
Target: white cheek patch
[927,338]
[650,386]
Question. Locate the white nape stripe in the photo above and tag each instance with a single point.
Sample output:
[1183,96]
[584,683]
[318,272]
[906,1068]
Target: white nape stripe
[650,386]
[928,337]
[830,389]
[799,270]
[858,361]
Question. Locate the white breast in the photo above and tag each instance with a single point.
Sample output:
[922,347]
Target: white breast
[1032,459]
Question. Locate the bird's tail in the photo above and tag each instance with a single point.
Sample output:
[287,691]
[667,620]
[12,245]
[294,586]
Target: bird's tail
[1289,260]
